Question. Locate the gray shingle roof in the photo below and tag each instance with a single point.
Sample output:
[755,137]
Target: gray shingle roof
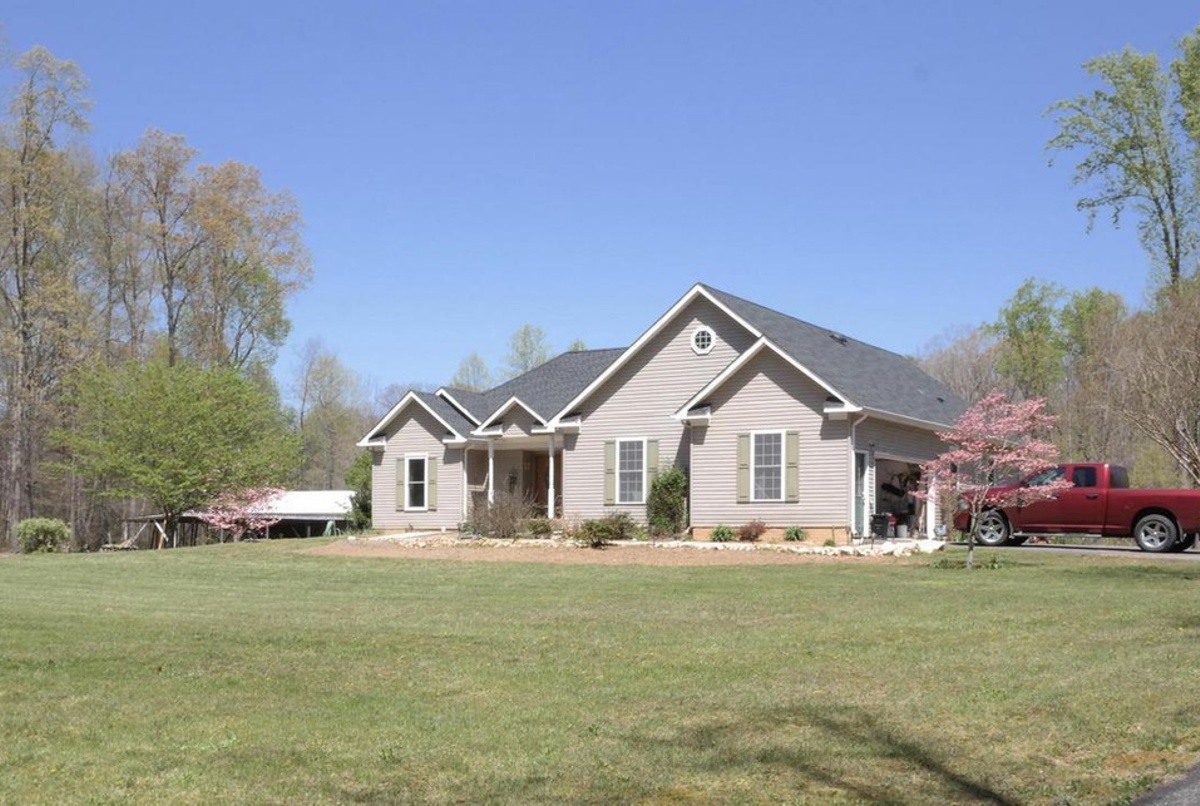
[473,402]
[546,388]
[448,413]
[868,376]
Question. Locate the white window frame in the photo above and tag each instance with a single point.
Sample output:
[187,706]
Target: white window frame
[617,461]
[410,457]
[712,340]
[754,435]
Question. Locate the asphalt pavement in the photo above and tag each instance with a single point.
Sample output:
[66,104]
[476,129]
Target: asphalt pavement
[1184,792]
[1130,552]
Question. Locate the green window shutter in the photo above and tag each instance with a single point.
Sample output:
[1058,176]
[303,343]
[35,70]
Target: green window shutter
[743,468]
[431,468]
[791,468]
[651,464]
[610,472]
[400,471]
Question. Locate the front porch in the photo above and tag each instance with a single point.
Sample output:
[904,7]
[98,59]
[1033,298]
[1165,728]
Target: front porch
[528,467]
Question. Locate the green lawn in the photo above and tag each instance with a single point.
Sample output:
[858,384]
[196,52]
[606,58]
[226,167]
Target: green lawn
[258,674]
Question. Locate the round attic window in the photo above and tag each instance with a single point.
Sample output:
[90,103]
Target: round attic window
[702,341]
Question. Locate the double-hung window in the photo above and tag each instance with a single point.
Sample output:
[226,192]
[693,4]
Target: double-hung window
[416,482]
[631,471]
[766,462]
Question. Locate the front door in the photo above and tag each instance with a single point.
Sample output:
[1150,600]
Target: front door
[537,479]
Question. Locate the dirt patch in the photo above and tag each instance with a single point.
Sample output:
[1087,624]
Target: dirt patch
[558,552]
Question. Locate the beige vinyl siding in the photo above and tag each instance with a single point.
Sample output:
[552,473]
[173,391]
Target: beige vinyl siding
[510,470]
[638,402]
[518,422]
[506,463]
[768,394]
[895,441]
[415,431]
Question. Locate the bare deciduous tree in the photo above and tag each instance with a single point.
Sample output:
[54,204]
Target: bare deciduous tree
[472,375]
[39,273]
[964,360]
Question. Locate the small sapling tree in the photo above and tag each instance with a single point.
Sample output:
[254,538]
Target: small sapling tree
[993,444]
[242,512]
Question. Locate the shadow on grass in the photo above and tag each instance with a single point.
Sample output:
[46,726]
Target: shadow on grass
[854,755]
[803,752]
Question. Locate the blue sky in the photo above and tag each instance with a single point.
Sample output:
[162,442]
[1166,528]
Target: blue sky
[466,167]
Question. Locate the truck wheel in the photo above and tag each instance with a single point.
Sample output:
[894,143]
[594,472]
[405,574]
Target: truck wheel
[1184,543]
[991,529]
[1155,533]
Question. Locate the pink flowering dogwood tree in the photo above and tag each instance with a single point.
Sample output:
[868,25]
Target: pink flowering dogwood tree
[242,512]
[994,444]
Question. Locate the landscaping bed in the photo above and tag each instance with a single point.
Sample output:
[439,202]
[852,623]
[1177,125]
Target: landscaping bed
[452,546]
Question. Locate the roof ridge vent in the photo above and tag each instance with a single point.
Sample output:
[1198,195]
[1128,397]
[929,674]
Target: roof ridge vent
[838,337]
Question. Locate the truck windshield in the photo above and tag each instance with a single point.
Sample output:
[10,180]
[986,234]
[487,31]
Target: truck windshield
[1118,477]
[1045,477]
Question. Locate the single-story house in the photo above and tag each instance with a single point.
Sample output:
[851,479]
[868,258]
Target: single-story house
[772,418]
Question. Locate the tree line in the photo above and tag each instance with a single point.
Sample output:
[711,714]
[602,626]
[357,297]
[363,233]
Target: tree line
[110,267]
[142,309]
[1124,383]
[527,349]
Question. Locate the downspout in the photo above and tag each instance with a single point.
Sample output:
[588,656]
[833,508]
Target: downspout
[854,477]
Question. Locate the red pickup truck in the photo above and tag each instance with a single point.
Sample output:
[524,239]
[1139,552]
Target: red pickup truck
[1099,503]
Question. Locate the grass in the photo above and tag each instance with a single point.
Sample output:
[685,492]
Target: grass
[258,674]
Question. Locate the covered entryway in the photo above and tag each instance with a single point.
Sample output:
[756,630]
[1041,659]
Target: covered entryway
[536,475]
[530,467]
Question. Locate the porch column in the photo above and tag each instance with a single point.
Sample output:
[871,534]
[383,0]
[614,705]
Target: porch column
[550,498]
[491,472]
[931,507]
[465,503]
[931,503]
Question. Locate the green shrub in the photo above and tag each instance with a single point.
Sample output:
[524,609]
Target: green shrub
[539,527]
[666,508]
[752,531]
[829,542]
[42,534]
[721,534]
[795,534]
[591,534]
[598,533]
[358,479]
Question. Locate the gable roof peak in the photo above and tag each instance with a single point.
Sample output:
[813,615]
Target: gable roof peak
[872,377]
